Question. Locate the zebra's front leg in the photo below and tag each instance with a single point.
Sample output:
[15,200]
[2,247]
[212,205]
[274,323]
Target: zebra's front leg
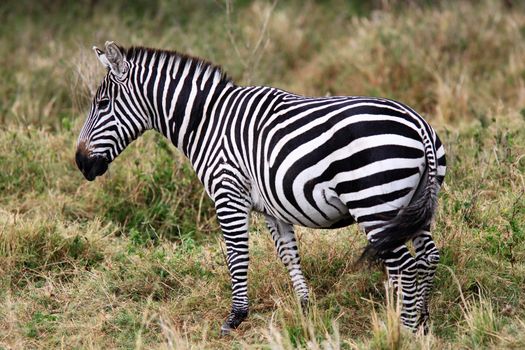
[284,238]
[427,258]
[233,212]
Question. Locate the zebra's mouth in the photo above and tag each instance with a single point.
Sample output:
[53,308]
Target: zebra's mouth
[91,167]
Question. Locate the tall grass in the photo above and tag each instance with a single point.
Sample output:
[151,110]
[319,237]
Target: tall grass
[135,259]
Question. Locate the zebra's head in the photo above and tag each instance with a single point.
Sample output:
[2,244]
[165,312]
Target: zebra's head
[114,120]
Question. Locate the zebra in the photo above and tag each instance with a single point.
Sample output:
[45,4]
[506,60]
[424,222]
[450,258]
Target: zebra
[318,162]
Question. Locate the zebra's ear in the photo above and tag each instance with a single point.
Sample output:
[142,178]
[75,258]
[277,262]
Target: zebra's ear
[115,58]
[102,57]
[112,58]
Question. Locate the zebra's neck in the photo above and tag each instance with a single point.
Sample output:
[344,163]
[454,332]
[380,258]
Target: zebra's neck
[180,92]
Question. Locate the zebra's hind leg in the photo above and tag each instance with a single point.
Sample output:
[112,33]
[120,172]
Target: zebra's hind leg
[284,238]
[402,273]
[427,258]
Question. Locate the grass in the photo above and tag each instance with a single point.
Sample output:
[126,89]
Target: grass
[135,259]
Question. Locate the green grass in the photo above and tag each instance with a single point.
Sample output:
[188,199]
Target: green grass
[135,259]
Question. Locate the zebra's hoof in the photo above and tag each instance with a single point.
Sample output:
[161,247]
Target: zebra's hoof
[423,323]
[225,330]
[233,321]
[305,306]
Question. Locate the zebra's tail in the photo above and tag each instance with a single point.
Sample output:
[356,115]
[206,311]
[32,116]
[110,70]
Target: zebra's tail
[412,218]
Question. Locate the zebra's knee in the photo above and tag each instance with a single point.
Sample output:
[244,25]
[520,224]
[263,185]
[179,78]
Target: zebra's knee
[429,260]
[289,254]
[286,259]
[427,254]
[433,257]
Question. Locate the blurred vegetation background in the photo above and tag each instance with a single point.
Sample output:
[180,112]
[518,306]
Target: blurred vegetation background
[135,259]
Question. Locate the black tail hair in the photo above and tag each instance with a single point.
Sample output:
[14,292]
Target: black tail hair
[410,219]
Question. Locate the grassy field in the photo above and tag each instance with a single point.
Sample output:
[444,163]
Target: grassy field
[135,259]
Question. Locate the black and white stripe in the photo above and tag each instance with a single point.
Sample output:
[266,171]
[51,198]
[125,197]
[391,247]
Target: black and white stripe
[316,162]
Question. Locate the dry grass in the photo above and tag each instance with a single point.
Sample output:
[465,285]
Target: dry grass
[135,259]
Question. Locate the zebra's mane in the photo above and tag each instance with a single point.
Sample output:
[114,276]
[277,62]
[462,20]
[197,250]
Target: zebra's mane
[135,52]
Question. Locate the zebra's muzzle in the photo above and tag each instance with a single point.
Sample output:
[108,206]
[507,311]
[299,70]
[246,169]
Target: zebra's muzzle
[91,167]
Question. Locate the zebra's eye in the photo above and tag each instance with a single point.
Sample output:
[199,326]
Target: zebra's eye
[104,103]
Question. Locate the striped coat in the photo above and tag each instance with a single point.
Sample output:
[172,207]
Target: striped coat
[315,162]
